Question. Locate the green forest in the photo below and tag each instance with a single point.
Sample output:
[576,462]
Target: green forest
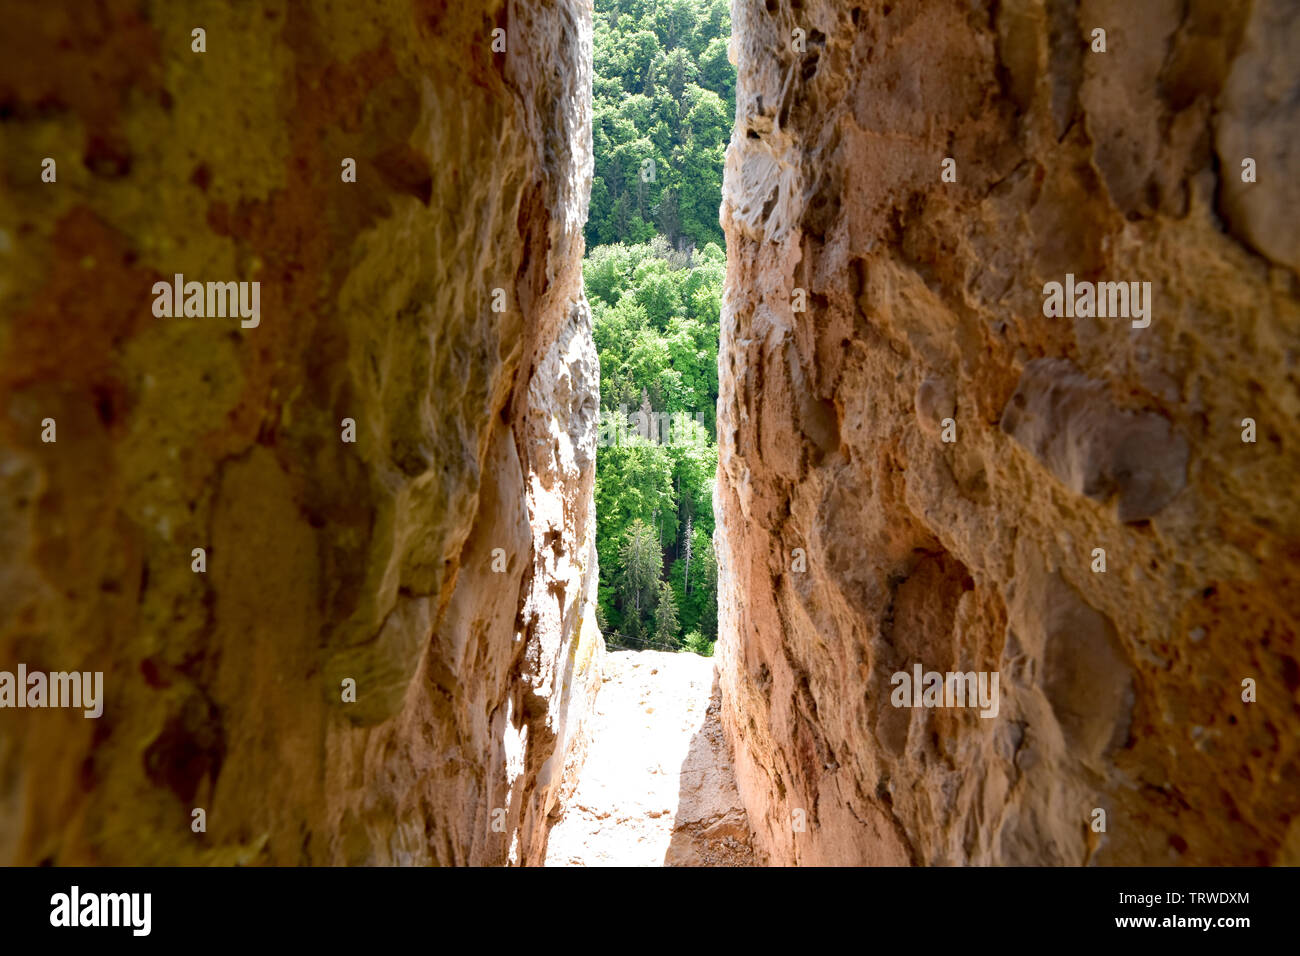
[663,102]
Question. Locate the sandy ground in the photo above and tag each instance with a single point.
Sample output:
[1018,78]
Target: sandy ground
[657,788]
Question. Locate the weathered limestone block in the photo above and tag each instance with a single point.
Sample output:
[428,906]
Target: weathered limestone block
[444,561]
[1256,120]
[859,537]
[1067,422]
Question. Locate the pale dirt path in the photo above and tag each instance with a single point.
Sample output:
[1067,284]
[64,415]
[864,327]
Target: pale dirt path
[657,787]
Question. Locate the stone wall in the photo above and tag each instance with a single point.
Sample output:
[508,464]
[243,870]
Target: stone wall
[919,466]
[444,561]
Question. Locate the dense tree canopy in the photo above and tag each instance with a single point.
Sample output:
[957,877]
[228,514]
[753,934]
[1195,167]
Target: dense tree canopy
[664,100]
[663,103]
[655,316]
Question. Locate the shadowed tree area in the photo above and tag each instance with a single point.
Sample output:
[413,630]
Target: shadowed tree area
[663,101]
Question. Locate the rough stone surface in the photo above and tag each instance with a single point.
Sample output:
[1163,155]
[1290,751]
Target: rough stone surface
[657,788]
[1068,423]
[475,429]
[1119,690]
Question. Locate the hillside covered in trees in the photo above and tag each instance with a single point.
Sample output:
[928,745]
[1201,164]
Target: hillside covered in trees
[664,101]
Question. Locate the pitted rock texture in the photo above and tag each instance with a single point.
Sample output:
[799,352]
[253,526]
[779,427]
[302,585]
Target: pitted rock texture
[855,542]
[1069,424]
[445,561]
